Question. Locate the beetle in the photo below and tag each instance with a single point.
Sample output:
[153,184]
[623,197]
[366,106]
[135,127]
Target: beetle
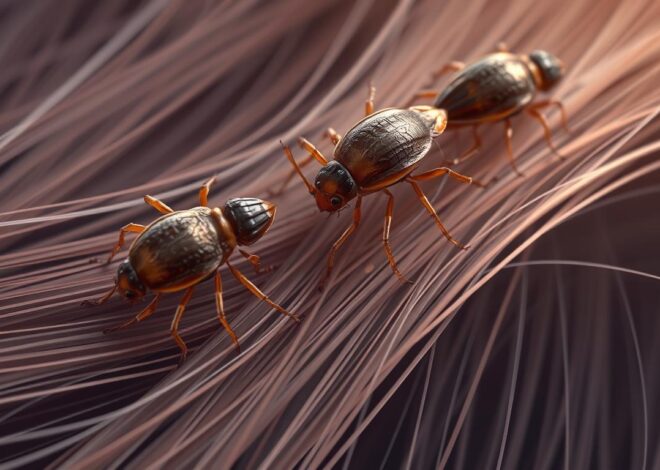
[180,249]
[382,149]
[494,89]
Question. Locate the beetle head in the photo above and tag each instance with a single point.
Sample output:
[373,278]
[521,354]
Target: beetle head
[128,282]
[249,217]
[334,187]
[550,67]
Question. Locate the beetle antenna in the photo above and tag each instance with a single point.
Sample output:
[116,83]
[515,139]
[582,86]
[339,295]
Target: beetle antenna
[289,155]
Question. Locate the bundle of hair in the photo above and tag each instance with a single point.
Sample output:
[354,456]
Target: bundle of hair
[534,348]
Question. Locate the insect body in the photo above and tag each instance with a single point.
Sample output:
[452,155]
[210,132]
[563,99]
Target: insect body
[495,88]
[382,149]
[183,248]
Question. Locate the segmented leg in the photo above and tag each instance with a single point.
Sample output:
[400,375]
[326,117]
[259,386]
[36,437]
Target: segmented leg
[558,104]
[453,66]
[178,315]
[424,94]
[296,168]
[332,134]
[255,261]
[313,151]
[369,104]
[219,304]
[508,135]
[143,315]
[340,241]
[135,228]
[101,300]
[470,152]
[204,192]
[546,130]
[386,237]
[437,172]
[160,206]
[427,205]
[257,293]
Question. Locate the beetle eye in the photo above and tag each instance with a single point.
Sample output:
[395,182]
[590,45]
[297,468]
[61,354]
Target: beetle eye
[335,200]
[317,183]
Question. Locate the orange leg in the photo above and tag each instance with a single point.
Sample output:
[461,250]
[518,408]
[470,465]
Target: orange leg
[257,293]
[558,104]
[160,206]
[255,261]
[221,311]
[304,162]
[369,104]
[357,214]
[386,237]
[103,299]
[313,151]
[427,205]
[546,130]
[453,66]
[136,228]
[143,315]
[424,94]
[470,152]
[204,192]
[178,315]
[332,135]
[437,172]
[297,168]
[508,134]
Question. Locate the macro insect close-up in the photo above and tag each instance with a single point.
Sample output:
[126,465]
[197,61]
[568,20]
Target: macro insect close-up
[182,248]
[495,88]
[382,149]
[511,324]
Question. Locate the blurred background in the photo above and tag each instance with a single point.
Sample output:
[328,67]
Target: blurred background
[535,348]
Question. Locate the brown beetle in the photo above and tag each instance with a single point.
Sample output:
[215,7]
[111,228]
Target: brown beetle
[495,88]
[382,149]
[183,248]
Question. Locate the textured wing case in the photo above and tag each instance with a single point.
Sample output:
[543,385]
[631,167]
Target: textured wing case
[383,145]
[177,249]
[493,88]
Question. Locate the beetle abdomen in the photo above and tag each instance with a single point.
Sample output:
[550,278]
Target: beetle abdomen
[178,250]
[488,90]
[383,145]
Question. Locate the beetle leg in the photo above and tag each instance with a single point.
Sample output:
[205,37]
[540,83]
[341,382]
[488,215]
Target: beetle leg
[143,315]
[423,94]
[427,205]
[255,261]
[369,104]
[437,172]
[332,134]
[204,192]
[103,299]
[546,130]
[386,237]
[558,104]
[221,311]
[470,152]
[508,134]
[257,293]
[313,151]
[340,241]
[178,315]
[160,206]
[136,228]
[453,66]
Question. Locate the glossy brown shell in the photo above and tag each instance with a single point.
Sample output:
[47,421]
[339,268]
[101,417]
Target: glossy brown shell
[384,147]
[491,89]
[178,250]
